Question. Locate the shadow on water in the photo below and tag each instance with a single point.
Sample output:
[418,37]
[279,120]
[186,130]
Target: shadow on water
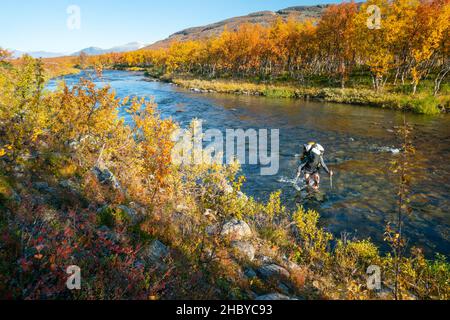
[357,141]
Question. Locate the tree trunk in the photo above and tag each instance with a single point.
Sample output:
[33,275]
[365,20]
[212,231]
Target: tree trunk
[415,87]
[439,79]
[396,76]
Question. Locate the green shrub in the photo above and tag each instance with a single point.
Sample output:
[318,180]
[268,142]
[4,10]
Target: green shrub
[279,93]
[314,240]
[428,105]
[110,217]
[154,72]
[355,254]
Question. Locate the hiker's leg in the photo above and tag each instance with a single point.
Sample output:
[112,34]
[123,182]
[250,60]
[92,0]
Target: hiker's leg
[307,177]
[316,180]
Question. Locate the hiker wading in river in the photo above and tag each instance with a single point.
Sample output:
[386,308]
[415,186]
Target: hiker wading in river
[311,164]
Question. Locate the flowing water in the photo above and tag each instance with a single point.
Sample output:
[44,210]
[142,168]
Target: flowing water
[357,141]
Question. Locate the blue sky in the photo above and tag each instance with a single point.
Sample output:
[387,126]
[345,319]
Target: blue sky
[41,25]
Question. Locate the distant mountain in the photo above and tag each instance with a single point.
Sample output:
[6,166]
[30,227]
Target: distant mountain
[37,54]
[132,46]
[92,51]
[299,13]
[127,47]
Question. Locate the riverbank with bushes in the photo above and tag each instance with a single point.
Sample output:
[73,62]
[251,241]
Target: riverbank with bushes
[420,103]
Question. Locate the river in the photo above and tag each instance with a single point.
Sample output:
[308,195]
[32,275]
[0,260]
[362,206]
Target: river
[356,138]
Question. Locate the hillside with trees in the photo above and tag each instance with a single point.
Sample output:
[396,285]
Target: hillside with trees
[264,18]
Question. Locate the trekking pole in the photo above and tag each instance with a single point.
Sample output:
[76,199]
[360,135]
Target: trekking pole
[331,182]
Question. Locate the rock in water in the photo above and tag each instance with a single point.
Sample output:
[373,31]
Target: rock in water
[389,150]
[236,230]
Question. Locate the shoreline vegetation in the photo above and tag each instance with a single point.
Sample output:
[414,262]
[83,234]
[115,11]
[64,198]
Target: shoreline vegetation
[420,103]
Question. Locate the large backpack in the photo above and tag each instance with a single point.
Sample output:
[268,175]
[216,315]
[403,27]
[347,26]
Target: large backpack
[307,148]
[314,157]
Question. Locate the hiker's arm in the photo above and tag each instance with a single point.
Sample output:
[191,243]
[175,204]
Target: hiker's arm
[299,171]
[324,166]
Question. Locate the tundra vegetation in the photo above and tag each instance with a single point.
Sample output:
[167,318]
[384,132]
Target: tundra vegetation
[343,56]
[79,187]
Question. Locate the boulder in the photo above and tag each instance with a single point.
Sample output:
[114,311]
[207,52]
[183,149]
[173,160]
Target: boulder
[250,273]
[213,229]
[105,176]
[68,185]
[236,230]
[266,259]
[44,187]
[131,213]
[156,252]
[274,297]
[283,288]
[272,271]
[111,235]
[245,249]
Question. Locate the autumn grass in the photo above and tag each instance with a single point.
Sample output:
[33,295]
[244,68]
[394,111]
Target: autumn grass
[420,103]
